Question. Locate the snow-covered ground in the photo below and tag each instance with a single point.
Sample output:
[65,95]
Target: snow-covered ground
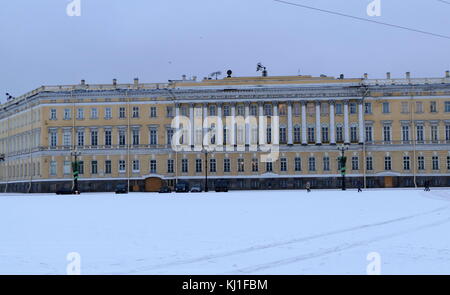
[245,232]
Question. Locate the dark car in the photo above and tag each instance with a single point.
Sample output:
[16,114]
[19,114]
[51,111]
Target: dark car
[165,190]
[196,189]
[65,191]
[221,186]
[182,188]
[121,189]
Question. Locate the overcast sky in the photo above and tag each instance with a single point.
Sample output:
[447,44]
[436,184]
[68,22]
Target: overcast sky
[157,40]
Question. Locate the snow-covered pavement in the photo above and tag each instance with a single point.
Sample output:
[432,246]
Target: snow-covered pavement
[243,232]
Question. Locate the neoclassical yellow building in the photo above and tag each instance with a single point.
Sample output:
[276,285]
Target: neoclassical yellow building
[255,132]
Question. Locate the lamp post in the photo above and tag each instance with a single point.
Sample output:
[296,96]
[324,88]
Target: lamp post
[343,161]
[75,170]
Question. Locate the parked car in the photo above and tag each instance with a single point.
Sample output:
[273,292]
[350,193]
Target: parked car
[165,190]
[65,191]
[182,187]
[196,189]
[221,186]
[121,188]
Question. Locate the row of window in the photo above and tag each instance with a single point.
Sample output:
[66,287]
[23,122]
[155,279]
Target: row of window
[255,165]
[253,110]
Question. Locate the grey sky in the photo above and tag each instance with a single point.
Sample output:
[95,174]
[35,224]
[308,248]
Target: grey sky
[157,40]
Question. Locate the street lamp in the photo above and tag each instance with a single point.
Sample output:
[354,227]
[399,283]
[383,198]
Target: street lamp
[75,170]
[342,161]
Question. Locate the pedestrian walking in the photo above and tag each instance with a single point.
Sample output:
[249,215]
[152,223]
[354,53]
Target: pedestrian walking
[308,187]
[359,187]
[427,186]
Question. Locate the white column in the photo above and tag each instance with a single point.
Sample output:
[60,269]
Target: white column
[361,122]
[332,124]
[247,124]
[318,127]
[233,125]
[304,138]
[205,138]
[346,124]
[219,133]
[275,125]
[191,119]
[289,118]
[261,125]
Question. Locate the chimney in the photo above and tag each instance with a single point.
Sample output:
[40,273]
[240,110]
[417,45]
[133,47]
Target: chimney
[408,75]
[83,82]
[114,82]
[366,75]
[447,74]
[388,75]
[136,81]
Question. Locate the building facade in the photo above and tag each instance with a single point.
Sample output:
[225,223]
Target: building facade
[254,132]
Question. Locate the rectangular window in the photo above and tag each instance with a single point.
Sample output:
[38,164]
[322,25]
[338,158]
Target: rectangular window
[420,134]
[433,107]
[435,162]
[67,114]
[67,138]
[212,110]
[387,163]
[405,133]
[122,166]
[240,110]
[353,134]
[226,110]
[94,138]
[153,136]
[368,108]
[419,107]
[269,135]
[136,166]
[122,137]
[108,167]
[339,109]
[406,163]
[94,113]
[108,113]
[298,164]
[352,108]
[387,133]
[255,165]
[297,134]
[153,166]
[80,114]
[153,112]
[94,167]
[53,138]
[421,162]
[135,112]
[434,133]
[355,163]
[386,108]
[283,165]
[325,134]
[198,165]
[447,106]
[240,164]
[369,163]
[108,138]
[311,134]
[122,113]
[169,112]
[253,110]
[312,164]
[269,166]
[67,167]
[135,136]
[326,163]
[170,133]
[267,110]
[283,139]
[184,165]
[170,166]
[339,134]
[369,133]
[405,107]
[447,132]
[226,165]
[53,114]
[212,165]
[80,167]
[448,162]
[53,168]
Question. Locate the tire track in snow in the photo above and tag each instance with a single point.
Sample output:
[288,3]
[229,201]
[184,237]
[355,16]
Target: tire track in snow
[332,250]
[278,244]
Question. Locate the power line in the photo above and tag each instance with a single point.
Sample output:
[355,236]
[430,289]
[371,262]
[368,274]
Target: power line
[364,19]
